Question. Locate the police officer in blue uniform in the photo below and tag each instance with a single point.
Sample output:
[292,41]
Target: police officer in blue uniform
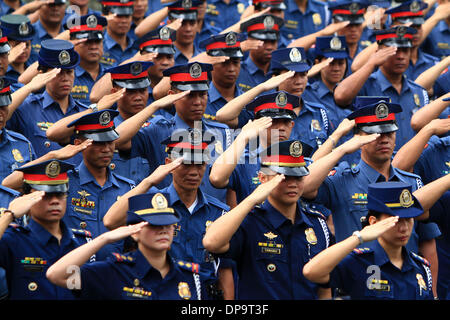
[223,86]
[206,30]
[39,111]
[149,273]
[15,149]
[253,69]
[26,252]
[20,31]
[223,14]
[93,186]
[437,42]
[262,232]
[395,271]
[389,80]
[411,12]
[344,190]
[90,69]
[118,46]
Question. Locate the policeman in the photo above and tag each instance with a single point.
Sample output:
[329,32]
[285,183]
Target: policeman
[39,111]
[437,42]
[311,124]
[223,14]
[304,17]
[21,31]
[185,43]
[15,149]
[118,46]
[392,59]
[27,252]
[93,186]
[353,11]
[262,239]
[90,69]
[344,190]
[149,273]
[411,12]
[392,207]
[190,107]
[4,51]
[205,29]
[253,69]
[223,86]
[8,7]
[159,41]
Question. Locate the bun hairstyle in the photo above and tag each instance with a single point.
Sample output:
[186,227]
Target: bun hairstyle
[365,220]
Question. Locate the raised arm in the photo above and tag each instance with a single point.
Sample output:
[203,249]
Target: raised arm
[429,112]
[151,22]
[430,193]
[427,78]
[307,41]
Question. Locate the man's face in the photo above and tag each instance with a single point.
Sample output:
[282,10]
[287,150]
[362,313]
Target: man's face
[51,208]
[335,71]
[280,130]
[161,63]
[191,108]
[120,25]
[140,8]
[380,150]
[99,154]
[295,85]
[263,54]
[352,33]
[226,73]
[398,63]
[25,54]
[132,101]
[52,13]
[186,33]
[90,51]
[61,86]
[188,176]
[3,63]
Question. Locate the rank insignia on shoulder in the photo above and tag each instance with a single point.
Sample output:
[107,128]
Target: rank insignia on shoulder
[83,233]
[122,258]
[362,250]
[421,259]
[193,267]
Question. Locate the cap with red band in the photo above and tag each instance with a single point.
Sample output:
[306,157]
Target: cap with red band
[264,27]
[159,40]
[90,27]
[348,10]
[228,44]
[277,105]
[184,9]
[408,12]
[119,7]
[193,76]
[5,92]
[133,75]
[274,4]
[98,126]
[399,36]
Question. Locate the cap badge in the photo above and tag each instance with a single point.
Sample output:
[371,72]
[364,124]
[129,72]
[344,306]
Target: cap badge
[335,43]
[24,29]
[164,33]
[186,4]
[91,21]
[195,137]
[401,31]
[281,99]
[381,111]
[406,199]
[414,6]
[105,118]
[159,201]
[353,7]
[195,70]
[295,149]
[53,169]
[268,22]
[230,39]
[295,55]
[136,68]
[64,57]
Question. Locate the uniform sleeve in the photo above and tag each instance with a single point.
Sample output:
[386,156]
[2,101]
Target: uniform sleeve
[97,281]
[326,192]
[342,276]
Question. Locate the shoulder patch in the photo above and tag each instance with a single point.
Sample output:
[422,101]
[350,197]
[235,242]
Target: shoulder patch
[359,251]
[121,258]
[80,232]
[215,124]
[332,172]
[420,259]
[313,212]
[190,266]
[217,203]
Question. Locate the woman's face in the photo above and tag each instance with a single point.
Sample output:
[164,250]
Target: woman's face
[156,238]
[399,235]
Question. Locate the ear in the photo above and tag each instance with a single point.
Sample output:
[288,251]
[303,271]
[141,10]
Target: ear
[167,160]
[262,177]
[77,141]
[372,220]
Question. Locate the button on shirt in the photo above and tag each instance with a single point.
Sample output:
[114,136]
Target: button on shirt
[411,282]
[27,252]
[35,115]
[270,253]
[131,277]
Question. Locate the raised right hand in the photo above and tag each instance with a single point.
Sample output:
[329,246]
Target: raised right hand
[263,190]
[21,205]
[373,231]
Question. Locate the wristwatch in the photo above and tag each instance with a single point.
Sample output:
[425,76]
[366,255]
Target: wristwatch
[358,235]
[93,107]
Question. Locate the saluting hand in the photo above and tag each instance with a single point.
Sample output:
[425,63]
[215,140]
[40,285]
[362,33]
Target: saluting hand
[42,79]
[263,190]
[358,141]
[170,99]
[373,231]
[274,82]
[70,150]
[381,56]
[315,69]
[108,100]
[253,128]
[205,58]
[162,171]
[21,205]
[123,232]
[16,51]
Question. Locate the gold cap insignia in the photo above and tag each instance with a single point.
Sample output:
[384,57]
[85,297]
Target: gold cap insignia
[295,149]
[53,169]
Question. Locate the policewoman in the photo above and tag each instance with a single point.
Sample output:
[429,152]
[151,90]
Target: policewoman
[26,252]
[383,268]
[149,273]
[263,231]
[94,187]
[39,111]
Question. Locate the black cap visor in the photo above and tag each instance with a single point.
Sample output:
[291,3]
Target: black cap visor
[133,83]
[378,127]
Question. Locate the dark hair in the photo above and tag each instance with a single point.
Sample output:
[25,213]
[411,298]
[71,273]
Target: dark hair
[26,188]
[365,220]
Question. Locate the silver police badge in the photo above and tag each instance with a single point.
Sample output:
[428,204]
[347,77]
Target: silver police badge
[354,7]
[52,169]
[230,39]
[335,43]
[401,31]
[381,111]
[136,68]
[195,137]
[195,70]
[281,99]
[105,118]
[91,21]
[414,6]
[186,4]
[164,33]
[64,57]
[24,29]
[295,55]
[295,149]
[406,200]
[268,22]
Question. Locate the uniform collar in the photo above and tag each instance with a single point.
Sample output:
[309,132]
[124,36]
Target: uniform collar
[86,177]
[277,219]
[372,174]
[385,84]
[42,32]
[320,88]
[213,93]
[174,198]
[79,72]
[48,101]
[43,236]
[109,42]
[381,257]
[251,66]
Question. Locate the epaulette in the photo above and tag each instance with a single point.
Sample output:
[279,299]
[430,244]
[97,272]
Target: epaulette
[125,179]
[190,266]
[216,202]
[122,258]
[80,232]
[362,250]
[314,212]
[18,228]
[158,119]
[409,174]
[216,124]
[18,136]
[420,259]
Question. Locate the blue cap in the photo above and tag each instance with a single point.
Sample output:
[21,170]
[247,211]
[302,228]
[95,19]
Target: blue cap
[446,99]
[132,75]
[119,7]
[194,76]
[228,44]
[393,198]
[5,92]
[184,9]
[293,59]
[276,105]
[98,126]
[408,12]
[348,10]
[274,4]
[380,3]
[264,27]
[4,45]
[375,114]
[48,176]
[56,53]
[19,27]
[153,208]
[287,157]
[399,36]
[332,47]
[159,40]
[90,27]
